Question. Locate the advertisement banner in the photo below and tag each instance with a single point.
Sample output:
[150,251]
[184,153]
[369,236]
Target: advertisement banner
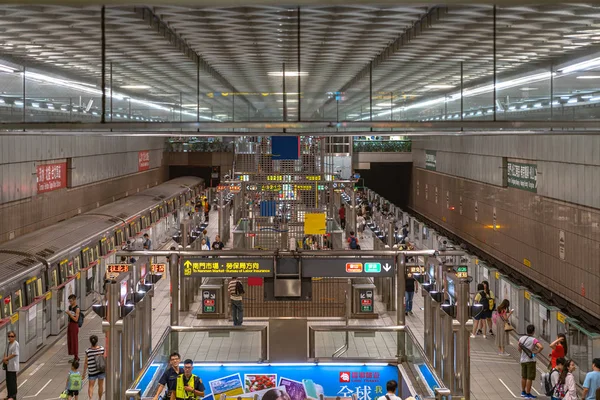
[51,177]
[522,176]
[289,382]
[143,160]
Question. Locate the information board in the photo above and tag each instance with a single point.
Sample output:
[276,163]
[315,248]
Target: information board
[462,272]
[209,301]
[118,268]
[522,176]
[222,268]
[158,268]
[347,267]
[366,300]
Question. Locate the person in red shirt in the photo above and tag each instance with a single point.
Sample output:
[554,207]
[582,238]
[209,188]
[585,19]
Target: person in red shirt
[342,213]
[353,242]
[559,349]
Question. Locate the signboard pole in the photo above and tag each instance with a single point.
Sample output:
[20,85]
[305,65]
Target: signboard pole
[222,218]
[353,215]
[400,308]
[174,272]
[109,325]
[462,351]
[183,293]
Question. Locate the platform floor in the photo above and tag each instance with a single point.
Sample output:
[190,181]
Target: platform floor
[493,376]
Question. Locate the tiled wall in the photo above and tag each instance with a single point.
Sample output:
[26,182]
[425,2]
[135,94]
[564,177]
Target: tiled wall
[528,227]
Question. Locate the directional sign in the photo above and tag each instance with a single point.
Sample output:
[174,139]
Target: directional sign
[118,268]
[158,268]
[462,272]
[347,267]
[228,267]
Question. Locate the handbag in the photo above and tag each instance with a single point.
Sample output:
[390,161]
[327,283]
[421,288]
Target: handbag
[64,395]
[508,327]
[5,366]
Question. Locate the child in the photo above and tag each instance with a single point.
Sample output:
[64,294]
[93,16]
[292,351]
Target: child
[74,381]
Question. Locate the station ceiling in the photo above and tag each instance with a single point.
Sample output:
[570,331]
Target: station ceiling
[416,52]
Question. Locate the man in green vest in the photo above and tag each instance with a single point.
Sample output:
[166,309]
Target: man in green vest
[189,386]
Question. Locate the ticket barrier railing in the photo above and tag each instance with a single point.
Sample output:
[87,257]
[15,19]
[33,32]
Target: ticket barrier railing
[422,378]
[159,358]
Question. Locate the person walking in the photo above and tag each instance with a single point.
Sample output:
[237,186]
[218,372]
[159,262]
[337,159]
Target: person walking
[11,365]
[529,346]
[566,389]
[391,387]
[94,367]
[559,349]
[73,328]
[502,317]
[168,379]
[360,225]
[236,289]
[409,293]
[188,385]
[206,206]
[147,243]
[342,214]
[592,381]
[74,381]
[555,374]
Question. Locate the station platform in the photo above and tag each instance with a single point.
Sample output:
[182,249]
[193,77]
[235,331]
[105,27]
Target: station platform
[493,376]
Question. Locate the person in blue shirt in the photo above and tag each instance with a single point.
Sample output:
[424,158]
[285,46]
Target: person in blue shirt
[592,381]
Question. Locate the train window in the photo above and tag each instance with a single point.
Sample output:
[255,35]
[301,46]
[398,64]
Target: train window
[71,269]
[63,272]
[54,277]
[153,216]
[90,281]
[118,234]
[17,300]
[103,247]
[29,291]
[96,253]
[6,307]
[111,243]
[77,263]
[38,288]
[134,228]
[87,257]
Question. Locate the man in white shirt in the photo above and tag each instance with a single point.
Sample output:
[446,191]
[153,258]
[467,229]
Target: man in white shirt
[391,387]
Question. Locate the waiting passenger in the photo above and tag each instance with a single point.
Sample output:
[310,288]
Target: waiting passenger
[147,242]
[11,364]
[168,380]
[559,349]
[490,309]
[204,245]
[342,214]
[236,289]
[529,346]
[566,388]
[188,385]
[360,225]
[95,367]
[503,314]
[205,235]
[73,328]
[481,316]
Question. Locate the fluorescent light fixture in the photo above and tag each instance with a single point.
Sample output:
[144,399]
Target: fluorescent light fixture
[573,100]
[511,108]
[288,74]
[384,104]
[528,88]
[36,105]
[2,101]
[587,96]
[490,111]
[6,68]
[135,87]
[537,105]
[588,77]
[288,101]
[18,103]
[479,113]
[50,106]
[440,86]
[581,66]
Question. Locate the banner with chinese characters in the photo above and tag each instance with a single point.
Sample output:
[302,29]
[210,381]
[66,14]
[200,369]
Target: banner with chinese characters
[522,176]
[431,160]
[242,267]
[143,160]
[51,177]
[290,382]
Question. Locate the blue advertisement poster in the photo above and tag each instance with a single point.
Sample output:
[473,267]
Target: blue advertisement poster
[290,381]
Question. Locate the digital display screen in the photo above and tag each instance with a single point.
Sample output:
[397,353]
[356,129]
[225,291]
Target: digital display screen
[118,267]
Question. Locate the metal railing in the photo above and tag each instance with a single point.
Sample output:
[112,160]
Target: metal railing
[136,394]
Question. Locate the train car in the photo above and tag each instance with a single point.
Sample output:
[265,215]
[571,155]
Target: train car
[38,271]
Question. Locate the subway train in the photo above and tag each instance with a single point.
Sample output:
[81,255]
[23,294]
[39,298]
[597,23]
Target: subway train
[38,271]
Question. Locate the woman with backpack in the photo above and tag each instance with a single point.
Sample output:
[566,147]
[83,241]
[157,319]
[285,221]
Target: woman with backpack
[566,389]
[502,317]
[489,311]
[95,366]
[479,318]
[559,349]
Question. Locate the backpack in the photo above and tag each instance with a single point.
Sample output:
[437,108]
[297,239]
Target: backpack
[100,362]
[559,391]
[81,318]
[353,243]
[547,387]
[239,288]
[75,382]
[483,300]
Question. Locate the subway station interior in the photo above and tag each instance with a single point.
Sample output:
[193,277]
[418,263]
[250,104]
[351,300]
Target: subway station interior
[254,186]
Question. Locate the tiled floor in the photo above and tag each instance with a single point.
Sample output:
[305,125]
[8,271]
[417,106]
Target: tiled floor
[493,377]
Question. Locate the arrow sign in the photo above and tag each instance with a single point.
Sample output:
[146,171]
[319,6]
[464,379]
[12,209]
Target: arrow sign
[188,263]
[387,267]
[362,295]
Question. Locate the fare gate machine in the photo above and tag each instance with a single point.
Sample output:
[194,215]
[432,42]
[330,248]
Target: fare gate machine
[447,321]
[126,314]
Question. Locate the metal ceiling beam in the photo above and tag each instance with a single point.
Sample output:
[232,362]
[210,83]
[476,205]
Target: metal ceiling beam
[304,133]
[326,126]
[295,3]
[396,45]
[162,28]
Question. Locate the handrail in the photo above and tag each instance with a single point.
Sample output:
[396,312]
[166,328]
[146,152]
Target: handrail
[303,253]
[351,328]
[421,350]
[134,393]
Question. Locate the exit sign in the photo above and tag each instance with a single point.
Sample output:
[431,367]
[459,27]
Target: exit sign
[373,267]
[462,272]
